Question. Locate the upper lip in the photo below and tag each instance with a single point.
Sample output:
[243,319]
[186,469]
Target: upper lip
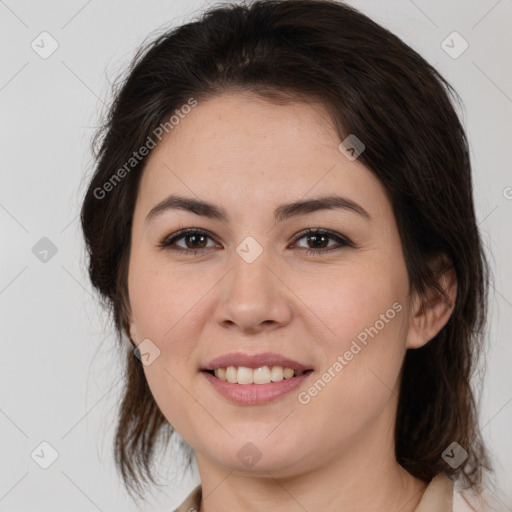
[254,361]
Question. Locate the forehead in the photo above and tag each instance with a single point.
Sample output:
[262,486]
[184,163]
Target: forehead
[239,145]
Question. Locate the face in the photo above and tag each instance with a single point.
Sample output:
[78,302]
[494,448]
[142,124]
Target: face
[334,300]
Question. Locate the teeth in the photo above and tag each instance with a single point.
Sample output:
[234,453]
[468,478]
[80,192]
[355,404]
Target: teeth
[261,375]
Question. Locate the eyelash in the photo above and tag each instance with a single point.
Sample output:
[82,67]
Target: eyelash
[345,242]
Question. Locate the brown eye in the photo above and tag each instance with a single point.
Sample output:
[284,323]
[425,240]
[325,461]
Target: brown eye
[318,240]
[197,241]
[194,240]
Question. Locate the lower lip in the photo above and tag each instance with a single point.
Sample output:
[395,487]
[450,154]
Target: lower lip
[253,394]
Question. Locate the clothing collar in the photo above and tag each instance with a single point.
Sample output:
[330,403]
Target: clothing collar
[437,497]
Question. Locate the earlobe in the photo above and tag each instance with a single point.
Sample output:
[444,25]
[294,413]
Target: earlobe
[133,332]
[128,323]
[430,314]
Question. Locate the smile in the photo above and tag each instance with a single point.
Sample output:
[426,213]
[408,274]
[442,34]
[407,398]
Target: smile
[253,393]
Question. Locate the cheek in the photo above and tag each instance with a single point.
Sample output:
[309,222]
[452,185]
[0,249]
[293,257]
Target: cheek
[165,308]
[359,379]
[175,398]
[363,349]
[161,300]
[347,300]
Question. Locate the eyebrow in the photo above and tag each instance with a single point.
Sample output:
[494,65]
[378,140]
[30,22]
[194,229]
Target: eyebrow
[281,213]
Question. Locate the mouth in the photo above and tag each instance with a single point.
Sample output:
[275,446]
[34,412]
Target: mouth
[262,375]
[261,385]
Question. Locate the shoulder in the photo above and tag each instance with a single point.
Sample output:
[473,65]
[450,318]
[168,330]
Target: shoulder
[438,495]
[468,500]
[444,494]
[192,501]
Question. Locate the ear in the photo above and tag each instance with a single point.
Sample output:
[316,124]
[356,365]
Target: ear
[130,329]
[431,313]
[134,337]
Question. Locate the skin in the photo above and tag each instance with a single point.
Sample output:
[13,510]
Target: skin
[249,156]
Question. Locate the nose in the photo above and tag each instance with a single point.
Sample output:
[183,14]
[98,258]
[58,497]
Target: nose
[253,297]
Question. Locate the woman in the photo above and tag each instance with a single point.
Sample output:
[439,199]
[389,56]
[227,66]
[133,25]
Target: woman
[281,219]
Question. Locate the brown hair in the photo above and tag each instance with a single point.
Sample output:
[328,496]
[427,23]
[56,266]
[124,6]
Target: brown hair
[374,86]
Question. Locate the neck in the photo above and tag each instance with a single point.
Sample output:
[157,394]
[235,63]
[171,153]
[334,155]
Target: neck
[352,481]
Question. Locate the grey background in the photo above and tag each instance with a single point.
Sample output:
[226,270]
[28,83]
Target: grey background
[59,370]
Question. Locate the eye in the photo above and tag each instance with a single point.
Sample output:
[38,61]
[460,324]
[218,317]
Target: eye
[320,237]
[195,237]
[195,240]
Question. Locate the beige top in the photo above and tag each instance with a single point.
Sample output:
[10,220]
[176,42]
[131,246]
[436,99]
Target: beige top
[438,497]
